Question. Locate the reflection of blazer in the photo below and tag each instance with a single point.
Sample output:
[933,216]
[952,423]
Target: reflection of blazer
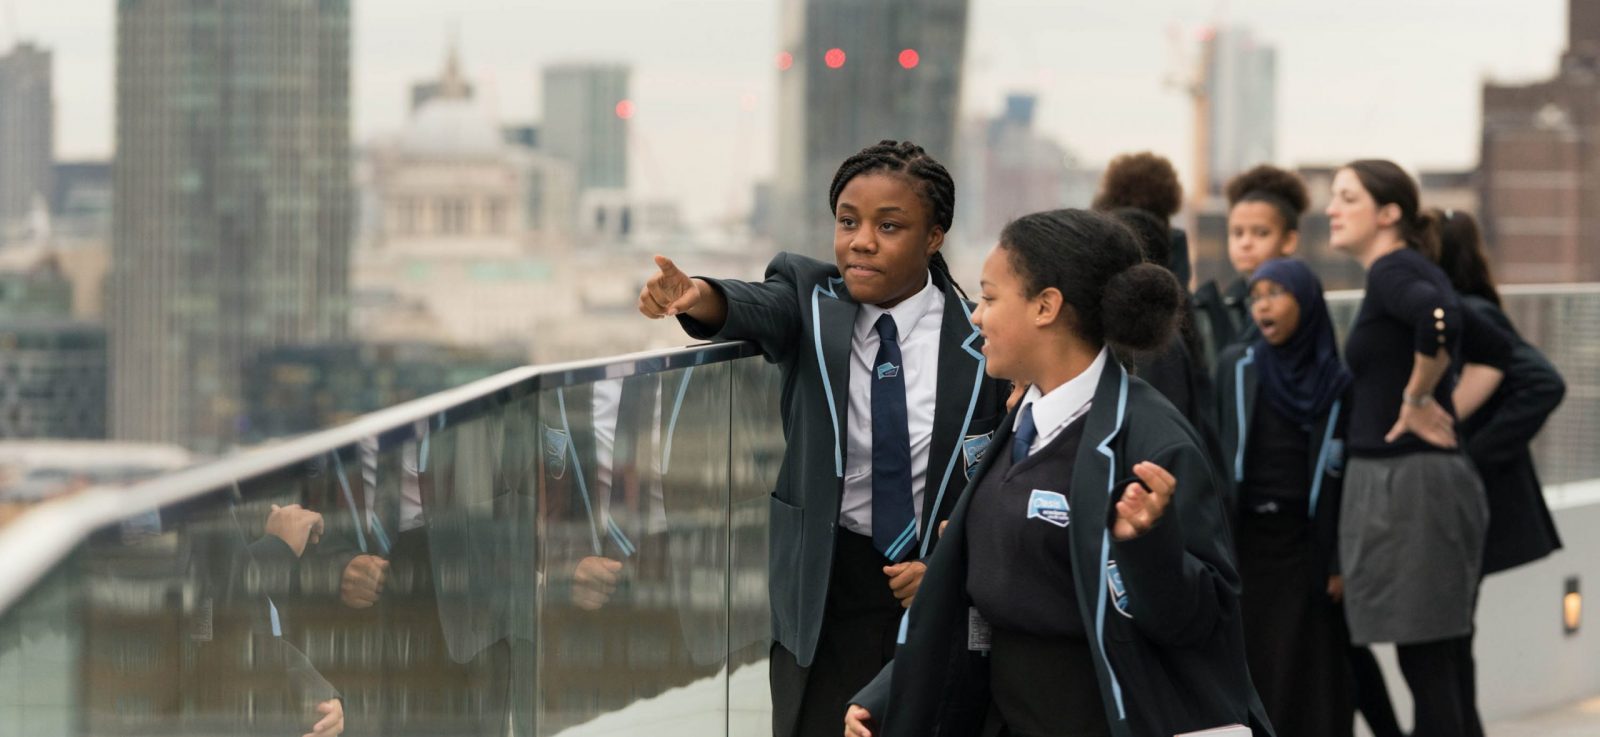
[1238,391]
[1162,609]
[1497,438]
[803,318]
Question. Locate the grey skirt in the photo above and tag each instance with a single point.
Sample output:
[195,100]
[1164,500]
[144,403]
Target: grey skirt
[1411,532]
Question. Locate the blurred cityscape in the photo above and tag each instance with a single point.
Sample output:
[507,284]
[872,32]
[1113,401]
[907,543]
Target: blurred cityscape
[247,268]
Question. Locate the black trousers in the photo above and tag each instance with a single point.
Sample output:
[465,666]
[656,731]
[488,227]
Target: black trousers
[860,624]
[1442,677]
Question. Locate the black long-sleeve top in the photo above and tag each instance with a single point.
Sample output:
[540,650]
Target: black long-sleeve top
[1409,308]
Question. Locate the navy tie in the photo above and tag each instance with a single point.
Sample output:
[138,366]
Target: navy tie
[894,522]
[1026,432]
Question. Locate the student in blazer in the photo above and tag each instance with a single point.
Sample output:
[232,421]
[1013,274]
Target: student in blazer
[1086,584]
[838,594]
[1283,398]
[1499,429]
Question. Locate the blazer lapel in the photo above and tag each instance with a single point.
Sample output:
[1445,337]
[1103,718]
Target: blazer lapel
[832,325]
[1246,384]
[1094,472]
[960,380]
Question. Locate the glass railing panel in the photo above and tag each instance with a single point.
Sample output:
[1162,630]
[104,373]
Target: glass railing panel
[757,454]
[635,554]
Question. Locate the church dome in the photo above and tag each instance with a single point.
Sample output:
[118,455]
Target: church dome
[451,128]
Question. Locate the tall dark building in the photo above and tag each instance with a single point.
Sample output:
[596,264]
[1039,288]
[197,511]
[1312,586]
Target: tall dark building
[27,130]
[232,207]
[1539,178]
[851,73]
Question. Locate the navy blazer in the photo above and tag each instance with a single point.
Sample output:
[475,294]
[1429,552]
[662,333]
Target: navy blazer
[1162,609]
[1238,392]
[802,318]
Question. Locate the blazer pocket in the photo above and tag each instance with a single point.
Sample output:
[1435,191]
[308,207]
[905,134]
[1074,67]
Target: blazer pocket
[786,529]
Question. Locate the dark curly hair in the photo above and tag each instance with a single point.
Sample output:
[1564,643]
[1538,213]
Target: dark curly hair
[929,178]
[1281,189]
[1144,181]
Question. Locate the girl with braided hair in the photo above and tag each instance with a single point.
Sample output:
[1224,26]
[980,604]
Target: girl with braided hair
[886,412]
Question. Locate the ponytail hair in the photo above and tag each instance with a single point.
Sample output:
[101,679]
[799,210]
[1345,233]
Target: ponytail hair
[1462,256]
[1095,262]
[1389,184]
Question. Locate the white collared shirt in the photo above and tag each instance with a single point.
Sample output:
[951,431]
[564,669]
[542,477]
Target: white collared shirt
[918,320]
[1054,411]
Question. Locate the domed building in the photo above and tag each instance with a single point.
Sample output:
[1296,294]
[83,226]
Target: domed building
[458,225]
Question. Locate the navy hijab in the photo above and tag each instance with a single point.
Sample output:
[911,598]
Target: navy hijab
[1303,377]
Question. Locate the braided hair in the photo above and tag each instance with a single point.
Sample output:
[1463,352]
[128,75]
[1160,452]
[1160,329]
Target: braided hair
[929,178]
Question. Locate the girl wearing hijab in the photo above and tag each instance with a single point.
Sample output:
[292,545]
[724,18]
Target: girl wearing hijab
[1284,397]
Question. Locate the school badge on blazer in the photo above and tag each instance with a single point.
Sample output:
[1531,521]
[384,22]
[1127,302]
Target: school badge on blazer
[1050,506]
[556,443]
[1119,591]
[972,449]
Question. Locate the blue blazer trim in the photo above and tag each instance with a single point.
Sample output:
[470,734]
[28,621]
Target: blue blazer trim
[1105,544]
[1322,459]
[972,405]
[577,470]
[822,367]
[1244,420]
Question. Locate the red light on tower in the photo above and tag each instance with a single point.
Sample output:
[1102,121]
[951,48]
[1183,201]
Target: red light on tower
[834,58]
[910,58]
[625,109]
[785,60]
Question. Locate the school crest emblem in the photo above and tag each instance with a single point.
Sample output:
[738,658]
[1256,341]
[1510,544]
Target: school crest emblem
[1050,506]
[973,448]
[556,443]
[1119,592]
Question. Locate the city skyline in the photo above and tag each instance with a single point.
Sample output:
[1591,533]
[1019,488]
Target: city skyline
[706,122]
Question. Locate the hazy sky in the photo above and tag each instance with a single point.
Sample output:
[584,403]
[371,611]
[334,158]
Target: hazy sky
[1386,78]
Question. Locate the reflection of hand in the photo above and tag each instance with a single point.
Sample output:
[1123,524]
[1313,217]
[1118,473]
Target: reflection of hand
[856,719]
[1429,421]
[593,582]
[668,291]
[1336,588]
[363,581]
[295,526]
[332,723]
[904,580]
[1139,510]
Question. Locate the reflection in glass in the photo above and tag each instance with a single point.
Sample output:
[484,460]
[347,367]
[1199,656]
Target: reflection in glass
[634,480]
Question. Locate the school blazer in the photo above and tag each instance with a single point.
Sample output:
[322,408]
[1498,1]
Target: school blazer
[802,318]
[1162,610]
[1238,390]
[1497,437]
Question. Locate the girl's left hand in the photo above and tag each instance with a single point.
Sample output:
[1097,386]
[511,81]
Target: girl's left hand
[1140,509]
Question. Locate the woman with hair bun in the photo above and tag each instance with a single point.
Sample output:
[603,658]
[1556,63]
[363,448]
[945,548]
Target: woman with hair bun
[1412,521]
[1264,209]
[1086,584]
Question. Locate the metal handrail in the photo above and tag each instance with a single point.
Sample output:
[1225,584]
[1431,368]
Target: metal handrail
[32,545]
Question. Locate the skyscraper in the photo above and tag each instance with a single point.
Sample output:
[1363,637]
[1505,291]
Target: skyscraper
[851,73]
[1241,88]
[27,118]
[1539,182]
[233,211]
[586,112]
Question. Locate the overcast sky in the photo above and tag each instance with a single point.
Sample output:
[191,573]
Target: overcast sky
[1386,78]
